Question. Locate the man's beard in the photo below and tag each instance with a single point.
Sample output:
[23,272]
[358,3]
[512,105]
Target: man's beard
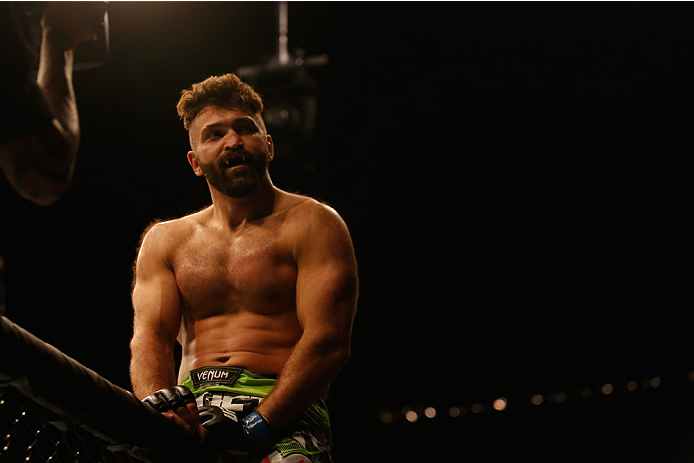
[237,183]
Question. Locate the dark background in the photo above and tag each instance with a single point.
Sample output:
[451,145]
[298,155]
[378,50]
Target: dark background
[513,175]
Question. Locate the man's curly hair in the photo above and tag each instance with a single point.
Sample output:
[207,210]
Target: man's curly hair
[225,91]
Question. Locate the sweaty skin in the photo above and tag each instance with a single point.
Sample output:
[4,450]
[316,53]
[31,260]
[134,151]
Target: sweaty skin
[262,279]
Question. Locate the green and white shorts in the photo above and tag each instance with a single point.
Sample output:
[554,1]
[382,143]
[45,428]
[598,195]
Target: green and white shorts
[307,440]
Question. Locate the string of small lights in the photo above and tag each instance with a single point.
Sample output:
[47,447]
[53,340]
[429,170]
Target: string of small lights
[413,414]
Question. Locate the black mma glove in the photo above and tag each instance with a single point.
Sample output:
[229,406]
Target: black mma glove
[170,398]
[226,431]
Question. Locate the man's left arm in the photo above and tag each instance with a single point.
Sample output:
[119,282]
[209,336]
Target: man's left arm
[326,297]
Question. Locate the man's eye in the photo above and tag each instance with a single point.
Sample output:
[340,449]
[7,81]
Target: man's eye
[245,128]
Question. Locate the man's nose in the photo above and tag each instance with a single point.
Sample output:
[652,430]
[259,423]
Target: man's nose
[232,141]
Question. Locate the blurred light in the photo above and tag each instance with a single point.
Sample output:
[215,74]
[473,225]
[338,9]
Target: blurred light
[430,412]
[411,416]
[691,376]
[500,404]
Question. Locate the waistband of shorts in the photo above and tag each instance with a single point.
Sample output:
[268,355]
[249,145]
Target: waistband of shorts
[229,379]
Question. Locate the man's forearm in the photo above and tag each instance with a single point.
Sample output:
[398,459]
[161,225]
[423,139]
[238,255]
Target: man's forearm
[305,377]
[55,80]
[151,368]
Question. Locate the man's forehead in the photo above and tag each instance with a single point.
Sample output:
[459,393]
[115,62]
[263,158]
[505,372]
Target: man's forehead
[213,115]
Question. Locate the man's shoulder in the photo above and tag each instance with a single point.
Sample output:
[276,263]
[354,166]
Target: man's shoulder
[173,231]
[307,216]
[305,209]
[314,228]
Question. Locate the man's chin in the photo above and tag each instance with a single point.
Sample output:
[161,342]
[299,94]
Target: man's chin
[239,190]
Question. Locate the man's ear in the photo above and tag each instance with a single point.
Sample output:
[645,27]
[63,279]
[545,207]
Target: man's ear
[270,148]
[193,161]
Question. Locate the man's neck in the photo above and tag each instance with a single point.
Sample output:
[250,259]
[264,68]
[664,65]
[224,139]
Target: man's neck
[235,212]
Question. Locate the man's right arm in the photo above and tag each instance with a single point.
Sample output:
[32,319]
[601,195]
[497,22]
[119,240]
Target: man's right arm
[157,316]
[157,320]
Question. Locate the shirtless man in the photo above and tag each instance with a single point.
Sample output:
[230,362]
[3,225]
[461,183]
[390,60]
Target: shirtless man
[259,289]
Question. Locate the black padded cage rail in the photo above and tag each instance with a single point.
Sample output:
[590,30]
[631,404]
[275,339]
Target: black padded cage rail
[54,409]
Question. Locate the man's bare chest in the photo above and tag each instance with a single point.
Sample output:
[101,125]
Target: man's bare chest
[248,268]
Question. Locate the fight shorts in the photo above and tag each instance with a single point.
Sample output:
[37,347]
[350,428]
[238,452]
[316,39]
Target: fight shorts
[308,439]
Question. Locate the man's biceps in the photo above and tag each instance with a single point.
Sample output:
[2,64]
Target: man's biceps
[150,265]
[154,307]
[331,285]
[145,292]
[154,277]
[327,306]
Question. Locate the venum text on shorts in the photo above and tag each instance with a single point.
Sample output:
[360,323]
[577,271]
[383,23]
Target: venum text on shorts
[215,375]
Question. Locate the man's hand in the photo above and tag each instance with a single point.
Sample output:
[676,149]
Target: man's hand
[177,404]
[68,24]
[233,434]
